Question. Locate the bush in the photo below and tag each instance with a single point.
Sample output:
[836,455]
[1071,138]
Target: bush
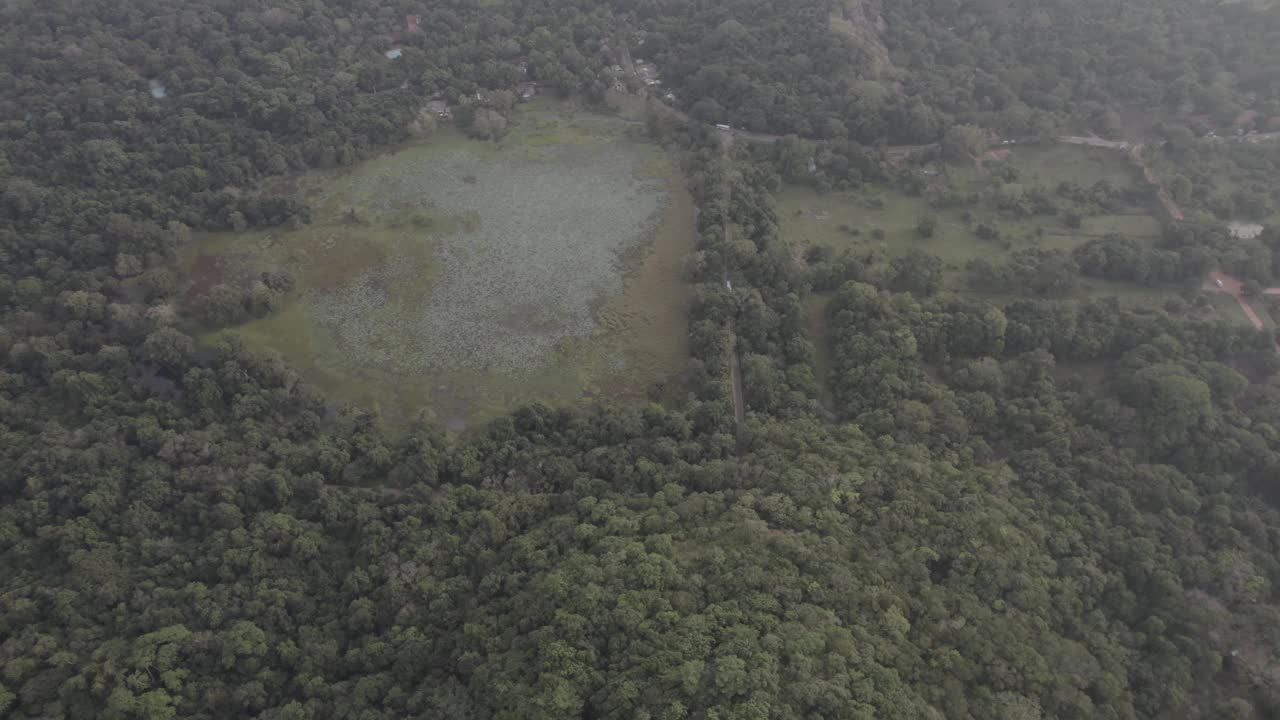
[927,226]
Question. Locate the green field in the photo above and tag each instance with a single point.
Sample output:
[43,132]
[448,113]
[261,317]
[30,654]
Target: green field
[849,220]
[1080,164]
[878,217]
[464,278]
[1228,310]
[884,219]
[816,321]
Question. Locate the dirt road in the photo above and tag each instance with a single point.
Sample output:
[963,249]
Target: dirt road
[1224,283]
[1171,207]
[1134,151]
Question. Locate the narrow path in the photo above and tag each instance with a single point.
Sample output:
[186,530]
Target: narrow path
[1094,141]
[1134,150]
[735,362]
[735,370]
[1135,153]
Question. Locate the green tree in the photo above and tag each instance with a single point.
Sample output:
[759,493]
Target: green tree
[917,272]
[926,226]
[1172,403]
[169,349]
[963,143]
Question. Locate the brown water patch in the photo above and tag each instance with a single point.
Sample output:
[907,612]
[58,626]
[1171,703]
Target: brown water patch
[335,258]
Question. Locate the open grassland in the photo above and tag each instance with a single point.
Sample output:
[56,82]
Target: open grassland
[1228,309]
[816,309]
[885,219]
[464,278]
[877,217]
[1136,225]
[1080,164]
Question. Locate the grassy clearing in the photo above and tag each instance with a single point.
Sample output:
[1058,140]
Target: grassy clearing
[855,219]
[885,219]
[1136,225]
[1265,311]
[816,323]
[850,220]
[1268,306]
[465,278]
[1080,164]
[1228,309]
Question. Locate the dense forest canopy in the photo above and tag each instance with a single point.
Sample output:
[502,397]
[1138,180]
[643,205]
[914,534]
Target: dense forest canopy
[906,71]
[999,506]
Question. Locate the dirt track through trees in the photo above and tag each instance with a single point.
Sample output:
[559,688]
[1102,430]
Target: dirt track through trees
[1134,151]
[1231,285]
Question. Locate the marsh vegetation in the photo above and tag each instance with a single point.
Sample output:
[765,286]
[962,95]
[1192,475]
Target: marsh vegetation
[469,276]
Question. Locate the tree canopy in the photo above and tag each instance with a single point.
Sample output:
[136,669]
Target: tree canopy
[1019,504]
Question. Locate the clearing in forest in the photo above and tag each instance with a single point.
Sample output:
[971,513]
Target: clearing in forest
[1017,200]
[464,278]
[979,213]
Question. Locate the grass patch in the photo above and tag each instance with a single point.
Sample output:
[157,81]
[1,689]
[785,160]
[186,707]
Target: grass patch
[465,278]
[1136,225]
[1080,164]
[877,218]
[885,219]
[851,220]
[1228,310]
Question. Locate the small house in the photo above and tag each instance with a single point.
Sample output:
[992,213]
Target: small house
[527,90]
[393,53]
[648,73]
[439,108]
